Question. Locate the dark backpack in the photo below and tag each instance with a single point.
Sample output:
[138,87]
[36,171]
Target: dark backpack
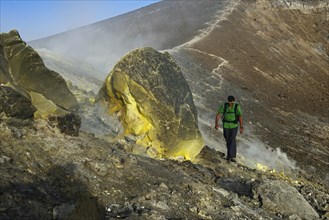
[235,113]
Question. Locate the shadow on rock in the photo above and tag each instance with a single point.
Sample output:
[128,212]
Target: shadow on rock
[58,194]
[240,186]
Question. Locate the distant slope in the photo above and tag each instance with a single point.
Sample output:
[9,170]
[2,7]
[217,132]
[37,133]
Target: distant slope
[162,25]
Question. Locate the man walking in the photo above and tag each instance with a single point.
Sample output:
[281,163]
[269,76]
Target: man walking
[231,115]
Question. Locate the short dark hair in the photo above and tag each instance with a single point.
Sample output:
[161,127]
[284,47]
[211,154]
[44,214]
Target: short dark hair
[230,98]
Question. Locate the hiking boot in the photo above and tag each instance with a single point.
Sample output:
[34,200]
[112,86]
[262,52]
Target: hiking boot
[233,160]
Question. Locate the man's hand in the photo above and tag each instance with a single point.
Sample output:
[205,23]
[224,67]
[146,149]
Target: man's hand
[241,130]
[217,126]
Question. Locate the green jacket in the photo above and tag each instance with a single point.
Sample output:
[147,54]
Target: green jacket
[229,115]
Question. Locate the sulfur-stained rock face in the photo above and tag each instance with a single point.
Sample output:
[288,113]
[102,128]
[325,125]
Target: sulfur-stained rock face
[148,92]
[23,69]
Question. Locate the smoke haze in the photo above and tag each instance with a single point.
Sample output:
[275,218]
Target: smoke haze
[103,43]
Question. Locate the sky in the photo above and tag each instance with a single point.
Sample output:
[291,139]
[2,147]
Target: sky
[40,18]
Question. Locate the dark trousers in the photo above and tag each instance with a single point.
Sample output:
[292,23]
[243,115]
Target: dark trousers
[230,136]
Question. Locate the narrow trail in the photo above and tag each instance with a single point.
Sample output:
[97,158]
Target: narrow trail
[221,15]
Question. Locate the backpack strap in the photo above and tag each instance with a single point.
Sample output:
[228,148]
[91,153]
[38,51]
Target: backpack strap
[225,108]
[235,113]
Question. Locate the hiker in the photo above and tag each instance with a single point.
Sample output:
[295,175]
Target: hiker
[231,115]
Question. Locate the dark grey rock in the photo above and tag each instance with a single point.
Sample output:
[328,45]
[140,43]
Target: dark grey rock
[238,185]
[67,124]
[17,122]
[17,133]
[127,210]
[96,167]
[62,211]
[119,211]
[14,104]
[282,198]
[317,198]
[5,159]
[83,208]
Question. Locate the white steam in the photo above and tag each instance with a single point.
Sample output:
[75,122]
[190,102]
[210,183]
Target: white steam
[250,150]
[256,152]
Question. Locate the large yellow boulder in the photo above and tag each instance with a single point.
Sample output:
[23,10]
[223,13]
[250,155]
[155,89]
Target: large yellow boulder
[147,91]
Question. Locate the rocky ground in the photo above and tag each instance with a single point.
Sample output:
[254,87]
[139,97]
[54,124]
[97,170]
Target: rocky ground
[49,175]
[272,54]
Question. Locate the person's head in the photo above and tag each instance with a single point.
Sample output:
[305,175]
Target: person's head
[231,99]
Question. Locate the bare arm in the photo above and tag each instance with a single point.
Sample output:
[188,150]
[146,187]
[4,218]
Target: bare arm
[216,121]
[241,124]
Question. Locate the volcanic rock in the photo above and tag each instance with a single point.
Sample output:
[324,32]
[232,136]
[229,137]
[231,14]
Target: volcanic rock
[46,176]
[14,104]
[23,69]
[84,208]
[238,185]
[67,124]
[280,197]
[148,92]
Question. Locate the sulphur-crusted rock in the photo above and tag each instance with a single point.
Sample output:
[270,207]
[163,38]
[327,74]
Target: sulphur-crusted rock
[67,124]
[23,69]
[149,93]
[14,104]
